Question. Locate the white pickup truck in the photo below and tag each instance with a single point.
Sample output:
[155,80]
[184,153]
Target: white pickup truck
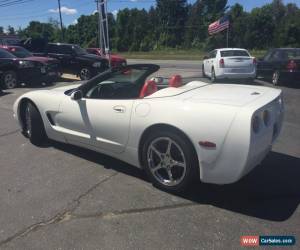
[229,63]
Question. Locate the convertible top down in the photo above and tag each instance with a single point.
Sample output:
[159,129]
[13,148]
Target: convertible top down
[216,132]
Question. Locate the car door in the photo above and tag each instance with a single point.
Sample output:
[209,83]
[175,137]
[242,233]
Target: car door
[63,53]
[210,62]
[99,123]
[265,65]
[207,64]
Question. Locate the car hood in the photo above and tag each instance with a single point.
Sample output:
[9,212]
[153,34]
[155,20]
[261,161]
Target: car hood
[41,59]
[225,94]
[91,57]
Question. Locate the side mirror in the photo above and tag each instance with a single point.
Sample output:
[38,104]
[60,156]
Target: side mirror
[76,95]
[205,57]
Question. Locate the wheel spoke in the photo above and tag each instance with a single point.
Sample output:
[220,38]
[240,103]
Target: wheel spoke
[156,152]
[157,167]
[169,147]
[170,175]
[178,164]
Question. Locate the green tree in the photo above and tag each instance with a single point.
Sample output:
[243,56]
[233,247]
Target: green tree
[172,16]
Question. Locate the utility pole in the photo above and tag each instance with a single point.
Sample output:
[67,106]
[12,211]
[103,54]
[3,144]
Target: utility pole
[100,25]
[61,24]
[103,28]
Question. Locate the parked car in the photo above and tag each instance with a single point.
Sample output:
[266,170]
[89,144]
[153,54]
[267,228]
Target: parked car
[52,65]
[280,65]
[116,60]
[22,70]
[74,59]
[229,63]
[213,132]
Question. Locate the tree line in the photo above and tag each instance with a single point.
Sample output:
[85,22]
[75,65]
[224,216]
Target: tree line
[178,24]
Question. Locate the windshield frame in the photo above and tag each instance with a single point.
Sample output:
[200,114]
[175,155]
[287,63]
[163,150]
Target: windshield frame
[87,86]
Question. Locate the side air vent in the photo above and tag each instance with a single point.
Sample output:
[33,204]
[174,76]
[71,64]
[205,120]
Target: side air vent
[50,119]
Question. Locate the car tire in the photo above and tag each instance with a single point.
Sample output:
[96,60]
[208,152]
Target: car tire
[177,168]
[9,79]
[213,77]
[33,125]
[276,78]
[203,72]
[85,73]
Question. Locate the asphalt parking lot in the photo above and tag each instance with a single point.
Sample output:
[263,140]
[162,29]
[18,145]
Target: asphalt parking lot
[63,197]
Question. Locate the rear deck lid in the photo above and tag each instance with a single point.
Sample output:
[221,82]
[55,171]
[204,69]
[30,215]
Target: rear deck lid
[227,94]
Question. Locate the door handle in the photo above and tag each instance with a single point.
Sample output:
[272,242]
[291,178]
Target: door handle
[119,109]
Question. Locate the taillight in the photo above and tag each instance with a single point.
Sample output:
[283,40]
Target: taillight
[256,124]
[254,61]
[291,65]
[221,63]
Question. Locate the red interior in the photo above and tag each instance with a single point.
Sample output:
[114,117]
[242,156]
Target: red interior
[175,81]
[149,88]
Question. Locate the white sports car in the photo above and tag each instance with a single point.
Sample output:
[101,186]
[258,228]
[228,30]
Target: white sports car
[213,132]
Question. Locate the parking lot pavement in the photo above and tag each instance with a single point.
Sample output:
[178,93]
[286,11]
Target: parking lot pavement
[63,197]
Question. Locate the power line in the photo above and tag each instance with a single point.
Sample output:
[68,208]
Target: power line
[14,2]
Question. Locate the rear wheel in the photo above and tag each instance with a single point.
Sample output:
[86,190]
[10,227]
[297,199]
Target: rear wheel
[276,78]
[213,77]
[169,161]
[9,79]
[203,72]
[34,126]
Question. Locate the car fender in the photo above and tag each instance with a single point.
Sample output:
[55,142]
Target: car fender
[182,115]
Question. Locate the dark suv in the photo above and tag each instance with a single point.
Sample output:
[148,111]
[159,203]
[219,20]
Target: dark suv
[74,59]
[14,70]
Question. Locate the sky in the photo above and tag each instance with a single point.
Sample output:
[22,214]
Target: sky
[41,10]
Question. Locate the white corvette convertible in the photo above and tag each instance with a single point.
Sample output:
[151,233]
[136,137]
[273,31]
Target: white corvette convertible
[213,132]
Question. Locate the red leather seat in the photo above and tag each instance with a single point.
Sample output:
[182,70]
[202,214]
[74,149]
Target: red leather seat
[149,88]
[175,81]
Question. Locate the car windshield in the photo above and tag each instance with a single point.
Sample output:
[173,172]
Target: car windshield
[6,54]
[20,52]
[229,53]
[78,50]
[124,83]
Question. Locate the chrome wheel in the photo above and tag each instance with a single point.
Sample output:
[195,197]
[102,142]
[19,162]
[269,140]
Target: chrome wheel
[275,78]
[10,80]
[85,74]
[166,161]
[28,127]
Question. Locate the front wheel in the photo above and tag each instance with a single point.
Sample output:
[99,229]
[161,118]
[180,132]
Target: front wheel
[34,127]
[169,161]
[85,73]
[9,79]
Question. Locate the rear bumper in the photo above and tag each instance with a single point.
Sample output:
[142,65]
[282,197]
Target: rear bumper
[290,75]
[35,76]
[226,75]
[243,150]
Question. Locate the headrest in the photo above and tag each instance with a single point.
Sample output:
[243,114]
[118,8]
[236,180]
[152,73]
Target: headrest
[149,88]
[175,81]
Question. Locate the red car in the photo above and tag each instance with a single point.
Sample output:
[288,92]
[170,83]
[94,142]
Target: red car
[116,60]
